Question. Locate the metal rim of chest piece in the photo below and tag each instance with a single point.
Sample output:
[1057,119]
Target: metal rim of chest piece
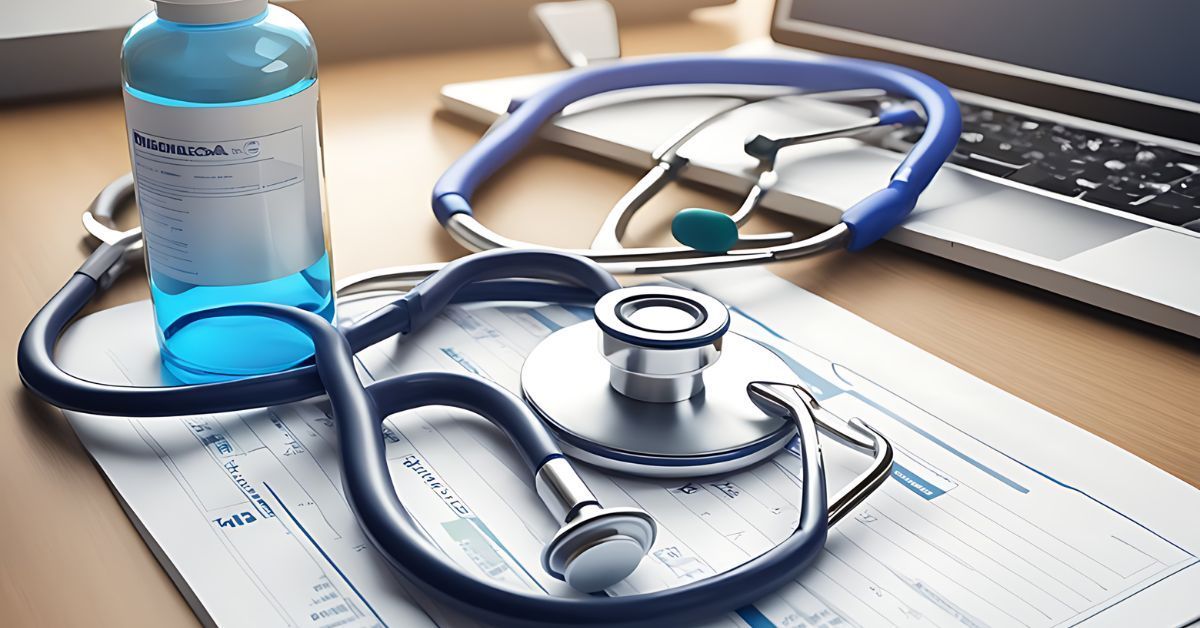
[656,386]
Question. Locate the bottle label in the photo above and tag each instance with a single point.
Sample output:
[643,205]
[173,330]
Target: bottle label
[228,195]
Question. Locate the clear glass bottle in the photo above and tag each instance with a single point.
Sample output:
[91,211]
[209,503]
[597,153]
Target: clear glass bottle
[223,123]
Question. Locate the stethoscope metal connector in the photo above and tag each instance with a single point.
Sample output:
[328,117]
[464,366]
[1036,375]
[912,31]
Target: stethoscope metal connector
[658,340]
[596,547]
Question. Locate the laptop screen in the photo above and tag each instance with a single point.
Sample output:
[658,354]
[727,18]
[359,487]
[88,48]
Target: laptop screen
[1145,50]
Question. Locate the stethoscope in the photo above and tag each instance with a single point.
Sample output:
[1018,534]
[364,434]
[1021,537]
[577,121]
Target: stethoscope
[656,384]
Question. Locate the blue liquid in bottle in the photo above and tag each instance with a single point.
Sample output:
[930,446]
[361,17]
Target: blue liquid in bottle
[222,60]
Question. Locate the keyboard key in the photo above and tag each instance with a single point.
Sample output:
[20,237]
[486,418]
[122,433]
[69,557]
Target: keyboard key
[1051,149]
[1005,152]
[989,167]
[1050,181]
[969,138]
[1167,173]
[958,158]
[1116,148]
[1151,188]
[1171,208]
[1149,154]
[1189,187]
[1096,175]
[1061,166]
[1110,196]
[1033,174]
[1137,186]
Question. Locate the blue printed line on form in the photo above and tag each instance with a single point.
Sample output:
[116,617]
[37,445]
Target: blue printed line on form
[915,483]
[805,373]
[482,527]
[581,312]
[1040,473]
[324,555]
[578,311]
[462,361]
[754,617]
[544,320]
[943,444]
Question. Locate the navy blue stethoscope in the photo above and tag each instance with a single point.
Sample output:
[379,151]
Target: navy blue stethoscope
[656,384]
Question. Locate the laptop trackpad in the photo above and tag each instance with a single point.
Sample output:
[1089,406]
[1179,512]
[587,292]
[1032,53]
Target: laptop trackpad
[1030,222]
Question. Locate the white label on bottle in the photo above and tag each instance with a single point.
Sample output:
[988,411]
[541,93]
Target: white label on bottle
[228,195]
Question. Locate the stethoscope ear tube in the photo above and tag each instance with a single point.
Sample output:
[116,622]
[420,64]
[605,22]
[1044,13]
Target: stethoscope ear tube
[796,402]
[867,221]
[880,470]
[873,217]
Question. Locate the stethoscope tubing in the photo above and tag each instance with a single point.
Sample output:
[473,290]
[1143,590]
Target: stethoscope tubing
[392,529]
[369,488]
[867,221]
[470,279]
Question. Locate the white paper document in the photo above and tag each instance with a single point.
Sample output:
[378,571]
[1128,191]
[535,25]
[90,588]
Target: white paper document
[996,514]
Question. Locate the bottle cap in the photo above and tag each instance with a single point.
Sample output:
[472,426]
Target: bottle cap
[209,11]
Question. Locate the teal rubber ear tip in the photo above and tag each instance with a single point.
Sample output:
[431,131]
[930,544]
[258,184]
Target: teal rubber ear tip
[704,230]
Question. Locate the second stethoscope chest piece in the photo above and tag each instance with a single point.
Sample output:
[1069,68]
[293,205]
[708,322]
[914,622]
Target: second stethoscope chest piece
[655,385]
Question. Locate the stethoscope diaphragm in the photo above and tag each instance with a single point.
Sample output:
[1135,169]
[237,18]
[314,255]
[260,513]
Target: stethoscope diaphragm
[656,385]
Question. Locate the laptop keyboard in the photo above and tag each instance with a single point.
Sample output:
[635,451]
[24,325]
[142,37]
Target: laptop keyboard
[1138,178]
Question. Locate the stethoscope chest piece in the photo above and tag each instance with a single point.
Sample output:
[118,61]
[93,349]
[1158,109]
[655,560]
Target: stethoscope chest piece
[655,385]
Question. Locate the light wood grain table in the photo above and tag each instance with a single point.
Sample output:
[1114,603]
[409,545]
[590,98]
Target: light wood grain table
[68,554]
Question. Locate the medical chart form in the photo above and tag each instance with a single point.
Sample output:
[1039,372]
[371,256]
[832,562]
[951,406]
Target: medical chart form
[996,513]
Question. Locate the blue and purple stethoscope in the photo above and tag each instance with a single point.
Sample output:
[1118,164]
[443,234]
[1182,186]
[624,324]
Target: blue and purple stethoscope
[656,384]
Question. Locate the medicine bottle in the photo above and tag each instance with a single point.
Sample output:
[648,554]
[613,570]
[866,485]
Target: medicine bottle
[224,136]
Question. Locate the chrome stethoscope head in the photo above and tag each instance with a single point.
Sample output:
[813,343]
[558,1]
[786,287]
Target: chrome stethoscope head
[657,385]
[642,405]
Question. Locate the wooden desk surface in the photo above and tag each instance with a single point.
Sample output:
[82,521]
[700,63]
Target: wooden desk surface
[68,554]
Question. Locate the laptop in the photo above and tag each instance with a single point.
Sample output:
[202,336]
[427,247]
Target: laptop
[1078,168]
